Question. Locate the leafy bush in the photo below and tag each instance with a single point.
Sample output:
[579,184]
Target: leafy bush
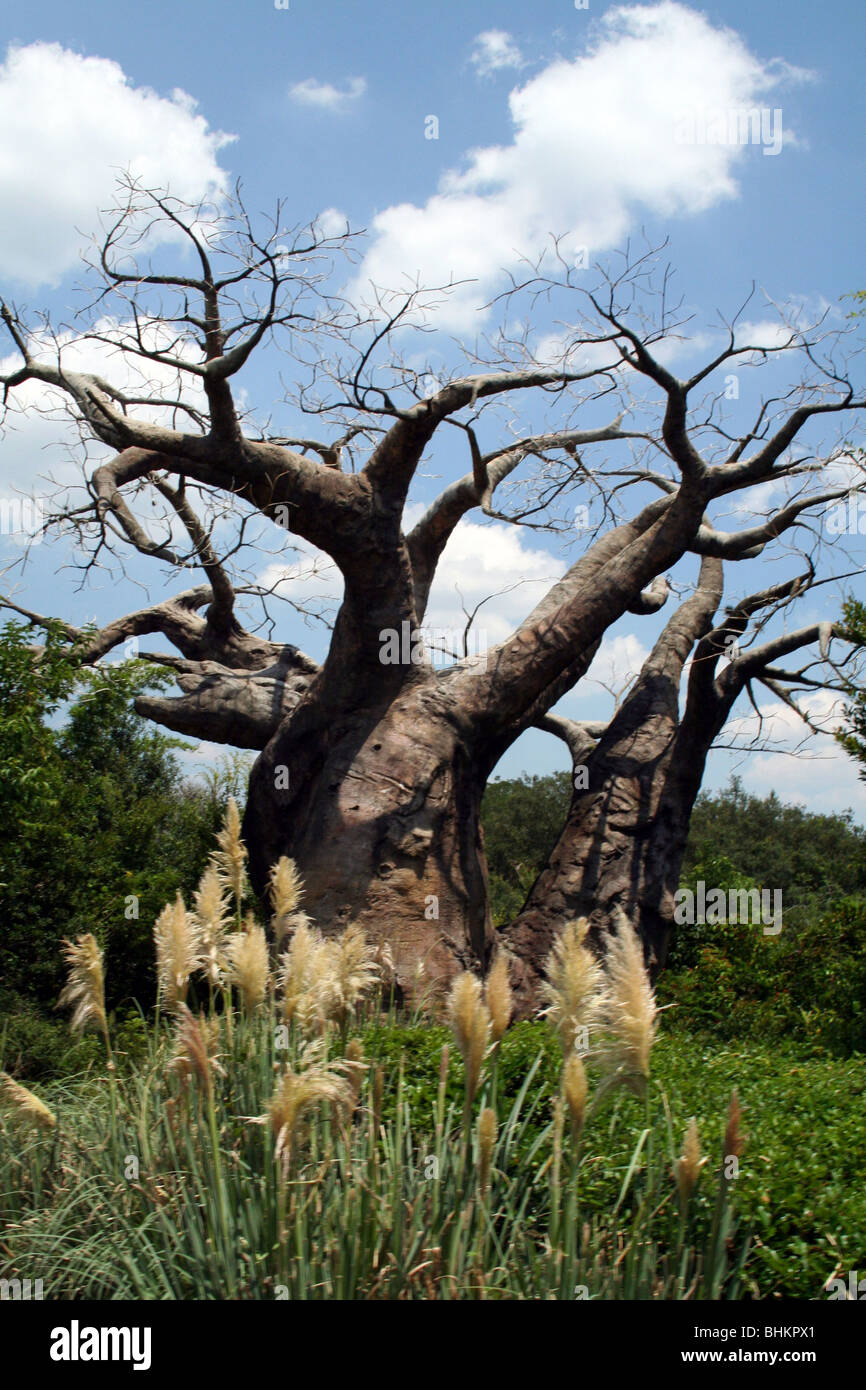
[811,858]
[731,981]
[99,830]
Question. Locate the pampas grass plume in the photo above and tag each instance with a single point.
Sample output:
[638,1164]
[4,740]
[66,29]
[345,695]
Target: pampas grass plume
[575,1089]
[500,1001]
[470,1022]
[178,952]
[212,916]
[298,1092]
[353,972]
[689,1164]
[487,1132]
[285,889]
[574,988]
[632,1013]
[247,963]
[84,990]
[195,1050]
[231,856]
[24,1106]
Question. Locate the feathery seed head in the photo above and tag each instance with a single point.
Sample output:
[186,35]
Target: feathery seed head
[305,977]
[488,1129]
[575,1089]
[212,917]
[353,972]
[23,1105]
[285,889]
[178,951]
[470,1022]
[298,1092]
[689,1164]
[463,1002]
[232,853]
[247,953]
[574,990]
[84,990]
[196,1048]
[477,1050]
[324,979]
[632,1013]
[498,995]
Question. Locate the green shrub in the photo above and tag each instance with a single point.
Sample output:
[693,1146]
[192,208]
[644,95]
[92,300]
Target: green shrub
[808,983]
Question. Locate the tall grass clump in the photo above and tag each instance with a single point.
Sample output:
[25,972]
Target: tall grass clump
[272,1144]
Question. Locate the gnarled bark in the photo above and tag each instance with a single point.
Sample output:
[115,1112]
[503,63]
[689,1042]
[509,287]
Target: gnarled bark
[380,808]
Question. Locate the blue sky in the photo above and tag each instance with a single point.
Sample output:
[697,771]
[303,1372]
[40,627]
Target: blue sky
[328,106]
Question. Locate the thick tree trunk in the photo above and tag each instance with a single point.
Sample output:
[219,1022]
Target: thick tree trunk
[622,846]
[621,849]
[380,810]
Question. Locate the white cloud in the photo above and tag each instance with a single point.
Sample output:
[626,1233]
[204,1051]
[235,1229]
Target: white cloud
[324,96]
[814,770]
[765,333]
[332,222]
[488,562]
[616,663]
[70,125]
[480,562]
[594,142]
[494,50]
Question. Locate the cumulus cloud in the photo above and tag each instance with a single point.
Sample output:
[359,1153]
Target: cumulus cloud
[813,770]
[324,96]
[595,141]
[70,125]
[332,222]
[494,50]
[617,661]
[487,565]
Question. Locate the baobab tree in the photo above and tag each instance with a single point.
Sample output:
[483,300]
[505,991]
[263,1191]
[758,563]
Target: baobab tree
[370,769]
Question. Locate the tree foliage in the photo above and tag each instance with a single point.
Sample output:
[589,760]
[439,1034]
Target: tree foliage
[853,736]
[100,827]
